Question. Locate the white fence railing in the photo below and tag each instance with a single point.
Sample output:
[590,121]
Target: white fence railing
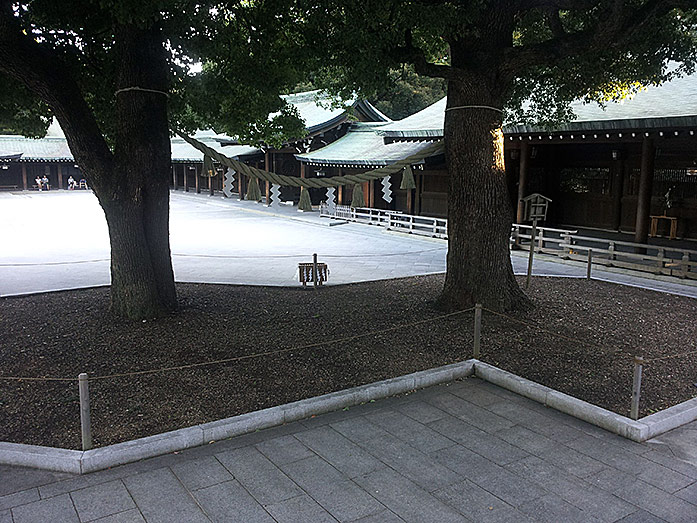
[395,220]
[567,244]
[657,259]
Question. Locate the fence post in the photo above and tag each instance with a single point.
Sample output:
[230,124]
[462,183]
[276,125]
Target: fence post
[659,264]
[85,424]
[477,329]
[636,387]
[314,270]
[533,234]
[590,262]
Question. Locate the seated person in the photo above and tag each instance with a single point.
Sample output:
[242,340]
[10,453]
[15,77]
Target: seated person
[38,182]
[71,183]
[44,182]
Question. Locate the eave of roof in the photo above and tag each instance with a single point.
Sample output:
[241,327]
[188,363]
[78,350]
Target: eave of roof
[640,124]
[55,149]
[360,147]
[426,124]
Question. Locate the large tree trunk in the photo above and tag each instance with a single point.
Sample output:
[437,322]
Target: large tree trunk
[132,182]
[479,211]
[136,204]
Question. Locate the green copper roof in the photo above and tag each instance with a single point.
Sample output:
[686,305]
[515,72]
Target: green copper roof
[672,104]
[427,123]
[362,146]
[50,149]
[183,152]
[55,148]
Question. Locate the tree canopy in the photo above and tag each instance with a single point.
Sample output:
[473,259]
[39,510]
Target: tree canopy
[546,53]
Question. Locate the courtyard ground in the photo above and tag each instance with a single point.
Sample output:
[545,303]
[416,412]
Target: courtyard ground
[464,451]
[579,338]
[58,240]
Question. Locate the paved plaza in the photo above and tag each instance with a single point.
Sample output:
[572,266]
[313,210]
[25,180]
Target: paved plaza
[59,240]
[466,451]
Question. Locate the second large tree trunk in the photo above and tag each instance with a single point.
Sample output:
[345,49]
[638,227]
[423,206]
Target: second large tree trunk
[479,211]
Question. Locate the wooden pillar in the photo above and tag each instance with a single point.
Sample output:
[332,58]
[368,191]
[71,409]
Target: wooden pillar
[617,189]
[60,176]
[24,176]
[340,196]
[366,193]
[523,159]
[186,178]
[417,194]
[410,201]
[240,185]
[210,185]
[274,165]
[371,191]
[174,176]
[197,181]
[643,204]
[268,186]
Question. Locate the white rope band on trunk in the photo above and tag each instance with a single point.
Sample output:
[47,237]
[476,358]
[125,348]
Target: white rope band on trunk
[475,107]
[143,89]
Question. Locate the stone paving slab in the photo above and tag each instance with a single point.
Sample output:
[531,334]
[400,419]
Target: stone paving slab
[374,463]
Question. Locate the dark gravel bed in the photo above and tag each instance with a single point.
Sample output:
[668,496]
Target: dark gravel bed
[578,338]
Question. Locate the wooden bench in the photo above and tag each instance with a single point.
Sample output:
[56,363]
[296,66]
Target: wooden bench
[8,187]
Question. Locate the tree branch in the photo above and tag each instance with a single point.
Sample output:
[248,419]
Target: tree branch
[554,22]
[409,53]
[615,28]
[46,76]
[527,5]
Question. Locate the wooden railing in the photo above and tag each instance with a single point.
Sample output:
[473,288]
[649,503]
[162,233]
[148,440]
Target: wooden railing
[567,244]
[657,259]
[393,220]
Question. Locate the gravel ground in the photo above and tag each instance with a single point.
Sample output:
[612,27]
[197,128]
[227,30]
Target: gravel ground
[579,338]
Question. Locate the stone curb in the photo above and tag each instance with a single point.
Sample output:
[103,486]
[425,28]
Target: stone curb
[671,418]
[626,427]
[79,462]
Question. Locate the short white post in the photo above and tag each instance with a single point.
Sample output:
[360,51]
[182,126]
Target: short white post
[314,270]
[477,329]
[636,387]
[85,424]
[590,262]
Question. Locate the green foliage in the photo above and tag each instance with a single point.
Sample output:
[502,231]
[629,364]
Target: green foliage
[21,113]
[247,51]
[408,93]
[535,60]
